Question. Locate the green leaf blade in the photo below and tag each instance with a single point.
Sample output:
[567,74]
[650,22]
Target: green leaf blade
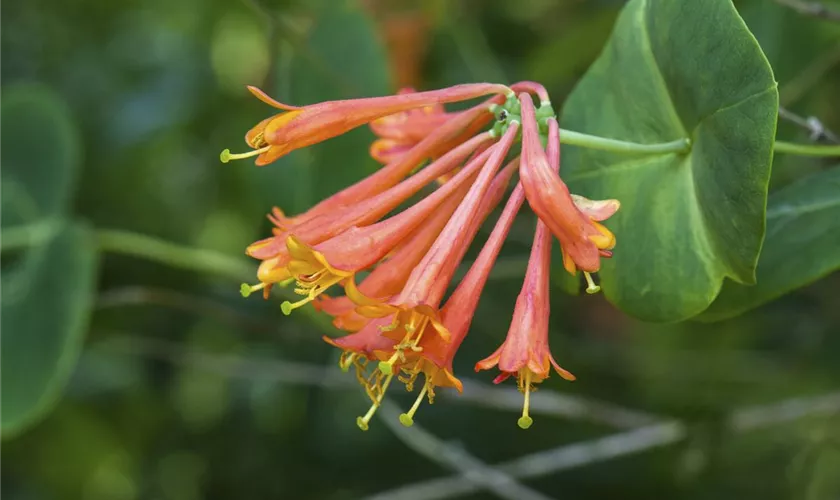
[676,69]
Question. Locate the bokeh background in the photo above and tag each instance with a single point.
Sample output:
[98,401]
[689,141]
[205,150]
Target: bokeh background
[185,390]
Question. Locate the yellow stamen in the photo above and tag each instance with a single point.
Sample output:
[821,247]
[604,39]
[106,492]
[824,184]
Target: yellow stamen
[245,289]
[226,155]
[525,420]
[591,287]
[407,419]
[363,422]
[311,290]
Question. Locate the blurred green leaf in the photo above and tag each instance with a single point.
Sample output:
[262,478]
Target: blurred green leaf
[40,154]
[792,42]
[803,235]
[677,69]
[46,289]
[46,305]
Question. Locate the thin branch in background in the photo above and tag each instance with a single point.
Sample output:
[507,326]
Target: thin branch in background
[474,474]
[556,404]
[815,9]
[546,462]
[812,124]
[617,445]
[758,417]
[544,403]
[456,458]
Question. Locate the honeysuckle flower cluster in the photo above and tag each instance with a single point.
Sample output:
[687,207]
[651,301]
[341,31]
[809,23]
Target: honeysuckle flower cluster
[383,276]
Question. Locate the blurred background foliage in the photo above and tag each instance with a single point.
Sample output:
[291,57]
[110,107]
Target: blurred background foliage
[135,379]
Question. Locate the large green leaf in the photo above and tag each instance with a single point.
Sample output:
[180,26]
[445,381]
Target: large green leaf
[675,69]
[47,300]
[803,238]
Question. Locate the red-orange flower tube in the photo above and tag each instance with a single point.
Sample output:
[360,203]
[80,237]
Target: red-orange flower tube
[299,127]
[582,239]
[525,351]
[436,354]
[418,302]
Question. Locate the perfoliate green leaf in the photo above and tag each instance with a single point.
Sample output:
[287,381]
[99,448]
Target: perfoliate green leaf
[675,69]
[803,238]
[47,301]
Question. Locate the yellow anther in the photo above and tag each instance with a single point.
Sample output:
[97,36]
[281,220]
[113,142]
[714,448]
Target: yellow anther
[525,420]
[226,155]
[245,289]
[258,141]
[591,287]
[407,419]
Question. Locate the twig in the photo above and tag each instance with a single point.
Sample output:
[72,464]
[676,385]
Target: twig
[815,9]
[757,417]
[812,124]
[552,403]
[456,458]
[546,462]
[624,443]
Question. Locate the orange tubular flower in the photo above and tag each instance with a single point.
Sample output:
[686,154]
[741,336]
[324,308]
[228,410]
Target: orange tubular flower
[328,225]
[299,127]
[582,239]
[390,276]
[400,132]
[432,352]
[436,354]
[397,325]
[434,145]
[417,304]
[332,261]
[525,351]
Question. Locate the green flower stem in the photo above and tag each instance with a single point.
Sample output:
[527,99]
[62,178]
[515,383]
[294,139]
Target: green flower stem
[806,149]
[594,142]
[172,254]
